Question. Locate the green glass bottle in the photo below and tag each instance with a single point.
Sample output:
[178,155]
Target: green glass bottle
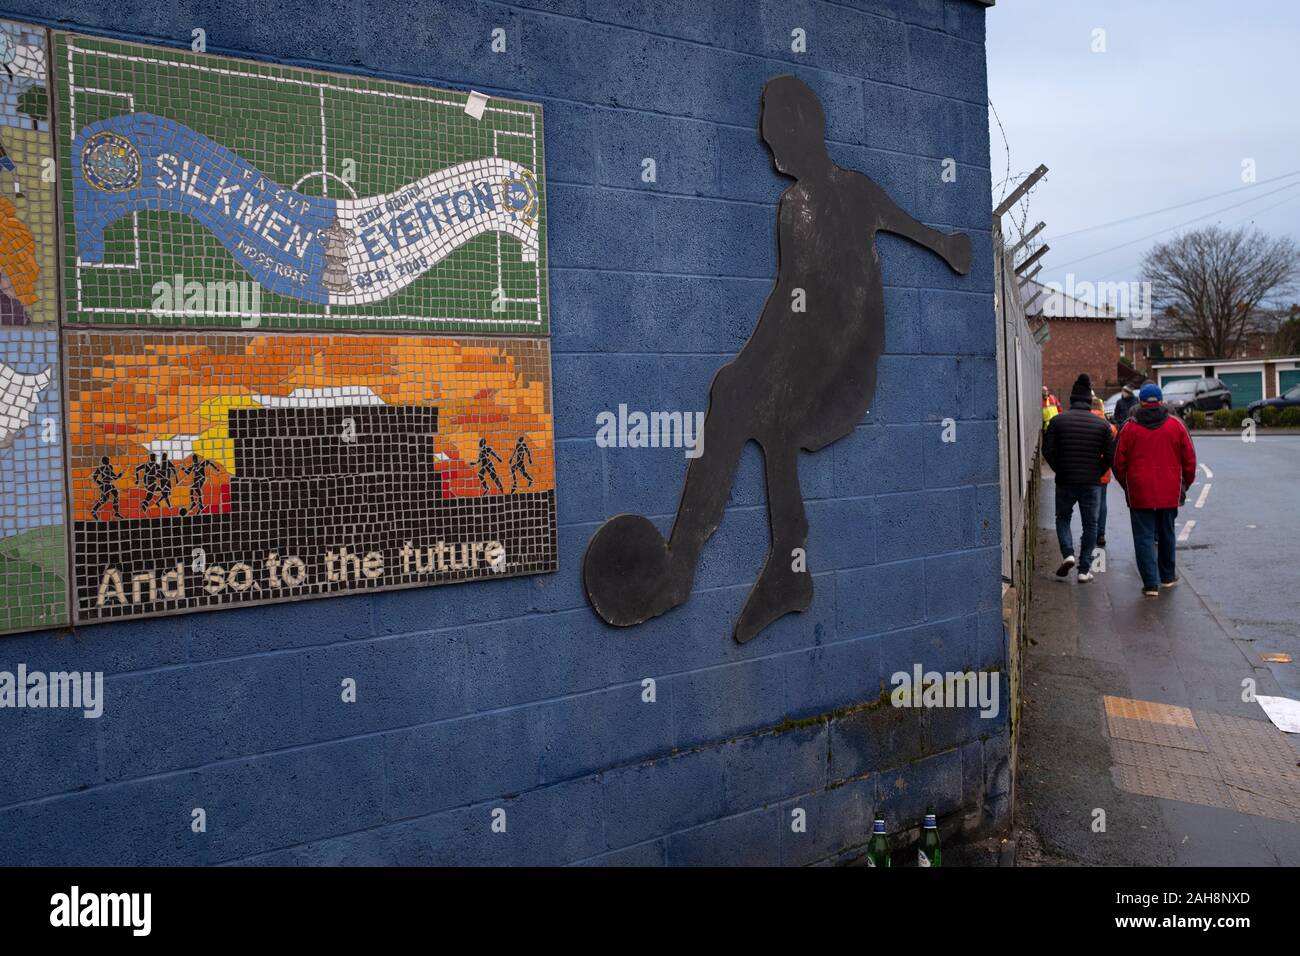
[929,853]
[878,845]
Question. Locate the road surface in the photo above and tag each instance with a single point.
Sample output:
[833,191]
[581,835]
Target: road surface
[1244,549]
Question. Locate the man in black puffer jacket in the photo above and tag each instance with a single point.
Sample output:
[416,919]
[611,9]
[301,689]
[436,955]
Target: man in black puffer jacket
[1126,404]
[1079,446]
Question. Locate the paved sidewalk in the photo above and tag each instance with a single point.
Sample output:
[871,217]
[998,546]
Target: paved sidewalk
[1133,706]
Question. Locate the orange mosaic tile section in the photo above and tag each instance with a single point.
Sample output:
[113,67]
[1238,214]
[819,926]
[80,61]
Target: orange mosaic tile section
[152,391]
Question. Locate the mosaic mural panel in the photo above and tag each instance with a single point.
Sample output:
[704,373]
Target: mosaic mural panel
[218,468]
[33,548]
[204,191]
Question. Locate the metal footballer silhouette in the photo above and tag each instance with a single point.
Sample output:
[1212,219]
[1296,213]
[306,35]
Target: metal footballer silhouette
[804,379]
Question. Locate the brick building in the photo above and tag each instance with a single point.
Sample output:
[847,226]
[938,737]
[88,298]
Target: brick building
[1081,338]
[1153,342]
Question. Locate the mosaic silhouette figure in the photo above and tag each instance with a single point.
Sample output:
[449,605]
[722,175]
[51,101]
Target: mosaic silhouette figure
[167,477]
[104,478]
[197,470]
[517,463]
[146,475]
[485,466]
[804,379]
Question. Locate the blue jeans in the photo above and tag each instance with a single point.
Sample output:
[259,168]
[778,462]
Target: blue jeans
[1088,497]
[1101,511]
[1153,543]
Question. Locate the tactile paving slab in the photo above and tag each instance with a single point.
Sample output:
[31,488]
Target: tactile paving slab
[1203,757]
[1149,711]
[1257,804]
[1159,734]
[1172,786]
[1172,759]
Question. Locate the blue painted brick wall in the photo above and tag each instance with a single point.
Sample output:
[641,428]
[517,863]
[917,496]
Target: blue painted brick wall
[512,695]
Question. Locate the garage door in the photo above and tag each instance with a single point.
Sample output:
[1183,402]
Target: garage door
[1288,379]
[1166,379]
[1246,387]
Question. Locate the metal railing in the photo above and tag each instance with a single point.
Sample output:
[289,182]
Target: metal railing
[1020,416]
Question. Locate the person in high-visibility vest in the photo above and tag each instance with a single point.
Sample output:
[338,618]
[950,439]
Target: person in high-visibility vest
[1051,406]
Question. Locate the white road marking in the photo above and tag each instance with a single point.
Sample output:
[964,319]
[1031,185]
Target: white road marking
[1208,474]
[1205,493]
[1187,530]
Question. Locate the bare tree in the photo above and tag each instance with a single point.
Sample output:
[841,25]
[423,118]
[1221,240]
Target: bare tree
[1287,339]
[1212,284]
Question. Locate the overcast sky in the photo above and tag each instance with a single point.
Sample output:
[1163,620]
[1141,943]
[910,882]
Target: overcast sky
[1184,92]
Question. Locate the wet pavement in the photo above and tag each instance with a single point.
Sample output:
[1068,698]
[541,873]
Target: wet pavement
[1137,747]
[1244,549]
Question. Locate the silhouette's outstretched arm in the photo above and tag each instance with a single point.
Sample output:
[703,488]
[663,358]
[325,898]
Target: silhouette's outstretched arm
[953,248]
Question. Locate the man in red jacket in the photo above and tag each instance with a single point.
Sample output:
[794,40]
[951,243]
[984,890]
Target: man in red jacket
[1155,464]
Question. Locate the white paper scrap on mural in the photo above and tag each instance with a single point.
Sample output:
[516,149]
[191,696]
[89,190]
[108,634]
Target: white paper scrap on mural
[476,104]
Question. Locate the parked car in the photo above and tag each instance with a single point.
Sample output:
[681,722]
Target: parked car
[1189,395]
[1288,399]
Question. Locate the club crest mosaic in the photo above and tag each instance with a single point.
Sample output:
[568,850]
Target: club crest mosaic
[299,346]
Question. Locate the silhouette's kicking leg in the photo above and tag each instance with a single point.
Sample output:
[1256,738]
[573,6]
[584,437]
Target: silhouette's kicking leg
[631,573]
[780,588]
[707,488]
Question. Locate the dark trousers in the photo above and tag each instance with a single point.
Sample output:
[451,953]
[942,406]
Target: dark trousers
[1088,498]
[1101,511]
[1153,543]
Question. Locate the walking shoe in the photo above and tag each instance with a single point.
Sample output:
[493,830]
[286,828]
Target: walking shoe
[1063,572]
[1169,584]
[1085,577]
[1151,592]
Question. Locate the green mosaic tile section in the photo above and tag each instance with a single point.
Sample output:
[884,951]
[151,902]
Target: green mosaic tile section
[319,134]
